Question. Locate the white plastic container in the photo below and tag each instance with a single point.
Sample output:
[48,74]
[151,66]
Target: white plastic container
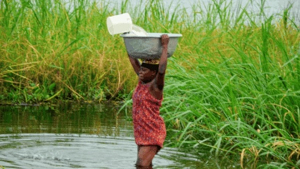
[119,24]
[138,31]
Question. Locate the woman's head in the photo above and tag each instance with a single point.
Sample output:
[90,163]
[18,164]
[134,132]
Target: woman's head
[148,70]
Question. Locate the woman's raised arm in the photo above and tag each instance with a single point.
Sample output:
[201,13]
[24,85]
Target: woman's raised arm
[162,62]
[135,64]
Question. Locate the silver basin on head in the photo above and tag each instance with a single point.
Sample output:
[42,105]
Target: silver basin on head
[148,47]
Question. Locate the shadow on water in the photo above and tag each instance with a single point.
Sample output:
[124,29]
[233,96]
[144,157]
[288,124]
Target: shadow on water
[78,136]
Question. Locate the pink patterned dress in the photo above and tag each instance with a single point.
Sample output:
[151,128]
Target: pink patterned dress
[149,126]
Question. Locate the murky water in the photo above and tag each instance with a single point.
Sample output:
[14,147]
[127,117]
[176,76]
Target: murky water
[79,136]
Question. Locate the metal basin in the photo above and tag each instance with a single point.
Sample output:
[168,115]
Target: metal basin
[148,47]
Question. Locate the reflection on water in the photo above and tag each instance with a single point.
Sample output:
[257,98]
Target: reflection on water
[64,118]
[78,136]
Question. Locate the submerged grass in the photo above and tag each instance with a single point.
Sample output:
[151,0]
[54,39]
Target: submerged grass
[232,86]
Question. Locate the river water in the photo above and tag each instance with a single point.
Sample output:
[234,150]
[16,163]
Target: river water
[269,7]
[81,136]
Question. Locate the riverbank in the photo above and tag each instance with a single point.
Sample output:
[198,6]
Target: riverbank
[232,84]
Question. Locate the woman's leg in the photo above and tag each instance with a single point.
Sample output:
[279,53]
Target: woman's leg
[145,155]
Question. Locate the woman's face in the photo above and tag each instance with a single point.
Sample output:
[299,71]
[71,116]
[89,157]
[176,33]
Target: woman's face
[146,75]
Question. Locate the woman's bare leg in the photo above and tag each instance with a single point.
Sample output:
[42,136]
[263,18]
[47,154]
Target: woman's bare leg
[146,155]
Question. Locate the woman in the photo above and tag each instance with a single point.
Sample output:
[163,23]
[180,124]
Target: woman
[149,126]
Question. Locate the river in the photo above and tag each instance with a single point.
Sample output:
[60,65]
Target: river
[81,136]
[270,7]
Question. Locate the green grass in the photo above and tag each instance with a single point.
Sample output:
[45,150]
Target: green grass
[232,86]
[49,49]
[238,92]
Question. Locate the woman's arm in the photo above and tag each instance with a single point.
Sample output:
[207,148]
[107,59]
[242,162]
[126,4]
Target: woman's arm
[135,64]
[159,80]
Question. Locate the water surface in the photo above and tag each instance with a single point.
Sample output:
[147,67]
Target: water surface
[80,136]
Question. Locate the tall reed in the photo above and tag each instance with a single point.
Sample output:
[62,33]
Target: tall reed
[55,48]
[236,89]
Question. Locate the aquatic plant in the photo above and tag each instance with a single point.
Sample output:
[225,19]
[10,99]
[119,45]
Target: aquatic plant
[58,49]
[235,89]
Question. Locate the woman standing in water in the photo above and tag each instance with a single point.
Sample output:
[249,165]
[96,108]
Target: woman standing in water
[149,126]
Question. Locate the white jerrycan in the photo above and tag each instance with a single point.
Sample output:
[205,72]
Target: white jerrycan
[119,24]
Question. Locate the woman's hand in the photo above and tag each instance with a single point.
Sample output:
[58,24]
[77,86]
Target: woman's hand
[165,40]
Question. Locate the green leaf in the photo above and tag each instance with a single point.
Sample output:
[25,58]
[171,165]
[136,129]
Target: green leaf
[52,86]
